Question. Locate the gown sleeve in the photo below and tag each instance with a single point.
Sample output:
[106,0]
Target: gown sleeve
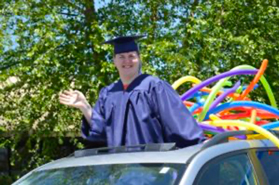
[178,124]
[95,130]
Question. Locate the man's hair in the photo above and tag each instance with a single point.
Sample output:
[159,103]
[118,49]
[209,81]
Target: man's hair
[129,51]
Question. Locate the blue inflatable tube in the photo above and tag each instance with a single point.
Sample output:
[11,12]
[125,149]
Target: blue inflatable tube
[243,104]
[271,125]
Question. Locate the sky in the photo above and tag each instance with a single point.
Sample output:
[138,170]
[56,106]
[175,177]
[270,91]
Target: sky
[100,3]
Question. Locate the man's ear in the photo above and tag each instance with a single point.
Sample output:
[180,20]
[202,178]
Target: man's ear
[113,60]
[113,57]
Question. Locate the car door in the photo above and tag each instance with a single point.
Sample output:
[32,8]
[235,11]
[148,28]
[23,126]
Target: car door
[233,168]
[268,163]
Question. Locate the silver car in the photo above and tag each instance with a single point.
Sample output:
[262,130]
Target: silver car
[218,161]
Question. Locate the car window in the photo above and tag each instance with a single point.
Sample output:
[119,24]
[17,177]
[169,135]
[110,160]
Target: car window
[270,164]
[117,174]
[228,170]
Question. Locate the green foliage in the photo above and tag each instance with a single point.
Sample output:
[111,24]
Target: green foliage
[49,46]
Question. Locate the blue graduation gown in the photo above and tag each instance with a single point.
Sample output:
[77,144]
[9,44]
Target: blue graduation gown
[148,111]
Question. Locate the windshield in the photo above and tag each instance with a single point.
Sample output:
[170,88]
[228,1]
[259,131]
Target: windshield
[118,174]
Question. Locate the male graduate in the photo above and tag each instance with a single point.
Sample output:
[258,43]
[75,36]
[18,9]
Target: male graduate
[137,109]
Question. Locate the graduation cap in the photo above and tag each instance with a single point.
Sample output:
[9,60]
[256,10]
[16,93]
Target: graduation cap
[124,44]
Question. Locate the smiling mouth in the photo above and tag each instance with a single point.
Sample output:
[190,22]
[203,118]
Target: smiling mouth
[127,67]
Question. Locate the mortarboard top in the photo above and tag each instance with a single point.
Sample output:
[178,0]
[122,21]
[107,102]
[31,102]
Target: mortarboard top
[124,44]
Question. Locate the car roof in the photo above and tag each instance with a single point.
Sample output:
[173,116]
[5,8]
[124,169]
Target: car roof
[175,156]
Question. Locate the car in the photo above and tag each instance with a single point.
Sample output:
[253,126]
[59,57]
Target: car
[220,160]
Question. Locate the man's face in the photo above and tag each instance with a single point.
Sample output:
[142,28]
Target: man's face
[127,64]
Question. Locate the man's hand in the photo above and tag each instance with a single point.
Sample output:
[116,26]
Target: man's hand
[73,98]
[76,99]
